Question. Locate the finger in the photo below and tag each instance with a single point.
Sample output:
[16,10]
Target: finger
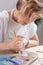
[20,36]
[17,38]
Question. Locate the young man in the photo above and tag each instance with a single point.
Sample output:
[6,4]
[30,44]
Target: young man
[20,20]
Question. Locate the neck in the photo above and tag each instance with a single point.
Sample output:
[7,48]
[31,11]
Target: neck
[12,15]
[9,12]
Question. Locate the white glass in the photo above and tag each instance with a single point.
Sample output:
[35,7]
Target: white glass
[22,47]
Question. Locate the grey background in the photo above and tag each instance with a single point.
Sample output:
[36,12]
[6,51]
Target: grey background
[7,4]
[10,4]
[40,33]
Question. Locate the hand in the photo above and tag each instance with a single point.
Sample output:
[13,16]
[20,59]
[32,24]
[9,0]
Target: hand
[34,17]
[17,44]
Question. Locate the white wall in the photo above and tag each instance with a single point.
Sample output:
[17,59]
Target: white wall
[7,4]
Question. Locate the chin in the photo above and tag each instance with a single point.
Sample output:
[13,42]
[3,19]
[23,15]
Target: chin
[24,24]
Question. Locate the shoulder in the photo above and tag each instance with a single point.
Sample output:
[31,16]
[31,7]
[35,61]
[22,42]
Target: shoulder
[4,15]
[32,26]
[32,29]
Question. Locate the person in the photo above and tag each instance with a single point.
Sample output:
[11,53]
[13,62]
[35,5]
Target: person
[21,19]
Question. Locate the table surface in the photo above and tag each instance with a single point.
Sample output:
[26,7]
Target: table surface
[38,50]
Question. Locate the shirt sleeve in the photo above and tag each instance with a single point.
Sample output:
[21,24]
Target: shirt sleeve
[32,29]
[1,27]
[4,17]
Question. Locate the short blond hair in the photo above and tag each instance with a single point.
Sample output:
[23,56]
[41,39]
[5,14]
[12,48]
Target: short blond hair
[30,9]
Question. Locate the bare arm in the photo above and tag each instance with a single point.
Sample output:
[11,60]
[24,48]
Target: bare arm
[5,45]
[13,45]
[34,41]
